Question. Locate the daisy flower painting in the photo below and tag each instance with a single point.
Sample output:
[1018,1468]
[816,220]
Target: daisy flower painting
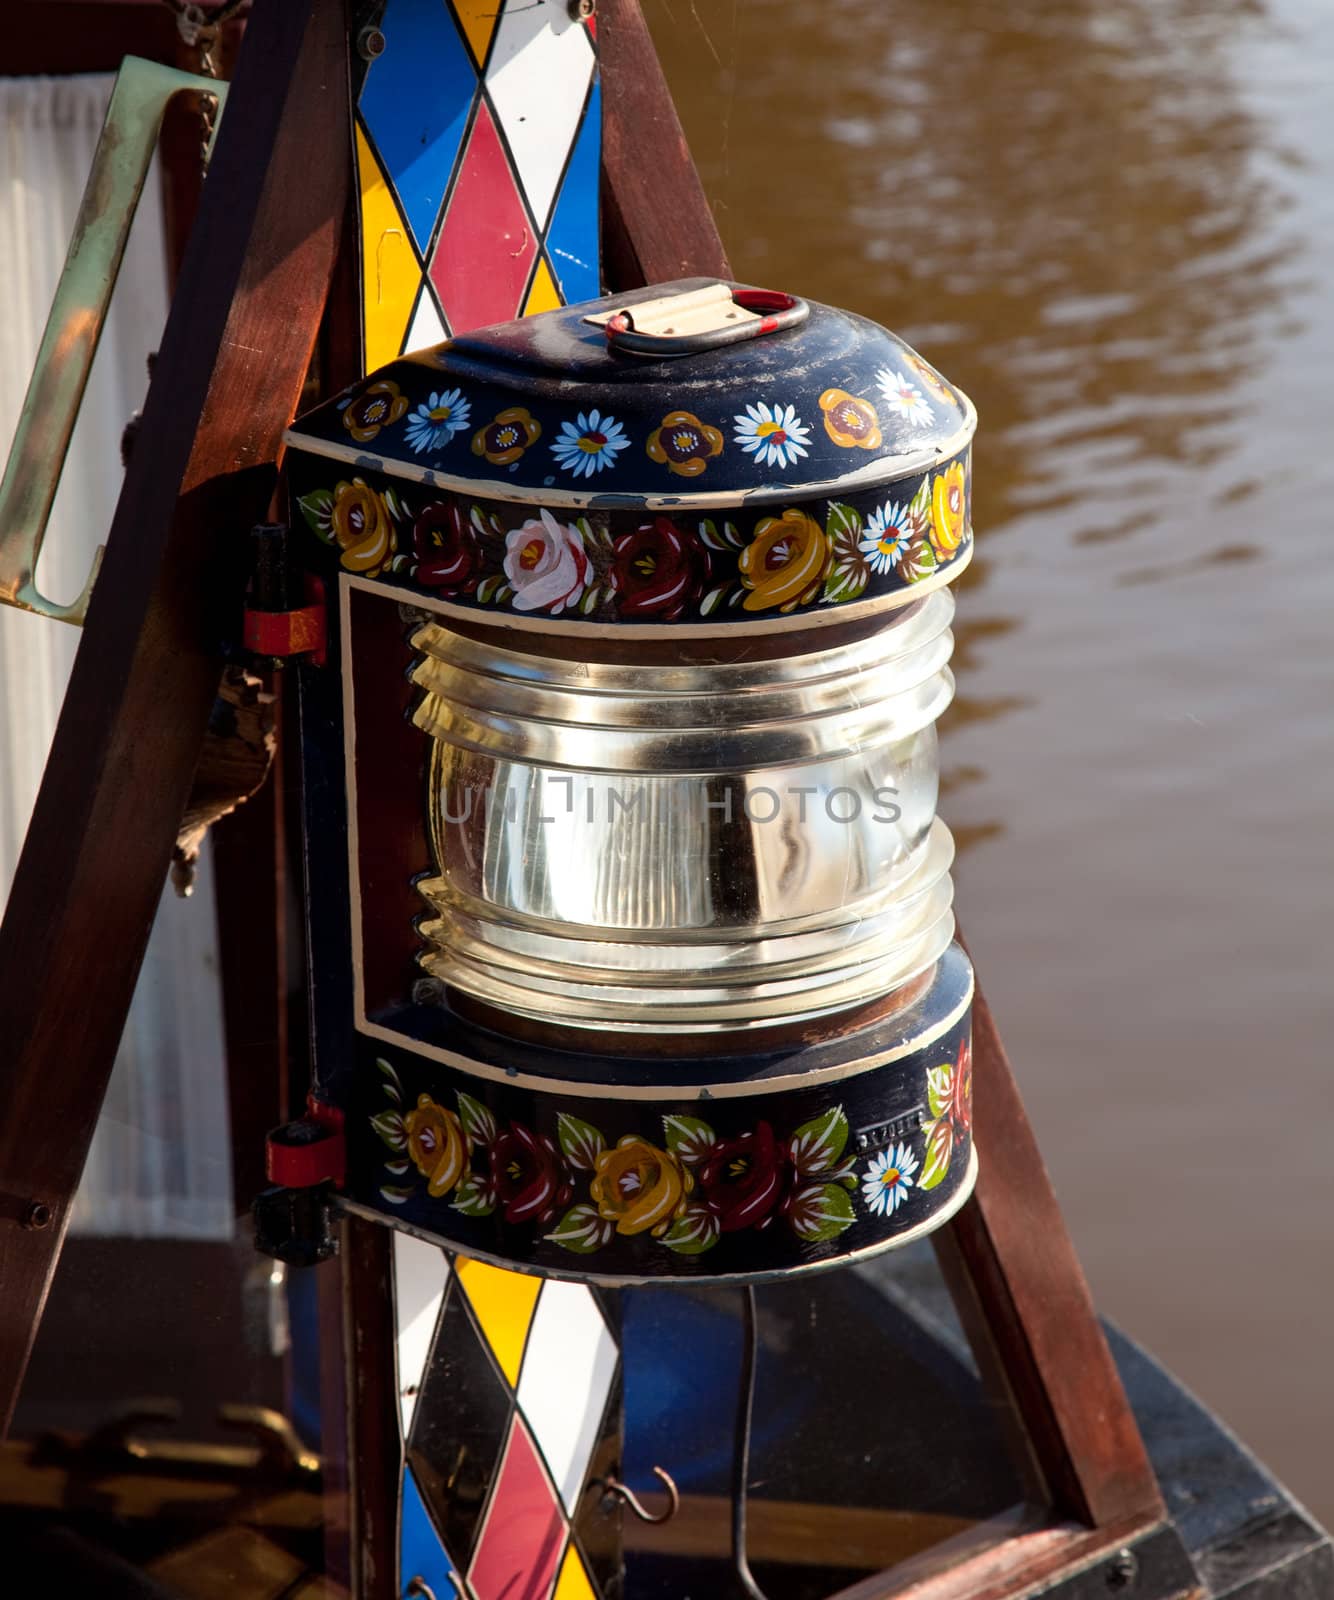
[903,398]
[887,1180]
[589,443]
[774,435]
[889,532]
[434,424]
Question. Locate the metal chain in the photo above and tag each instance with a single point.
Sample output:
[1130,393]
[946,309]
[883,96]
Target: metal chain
[199,29]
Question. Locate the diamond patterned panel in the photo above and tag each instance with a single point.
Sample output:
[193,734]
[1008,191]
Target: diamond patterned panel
[421,1272]
[597,1532]
[415,103]
[567,1376]
[543,295]
[478,20]
[572,236]
[521,1541]
[537,77]
[389,265]
[573,1583]
[459,1428]
[420,1553]
[487,244]
[427,327]
[503,1303]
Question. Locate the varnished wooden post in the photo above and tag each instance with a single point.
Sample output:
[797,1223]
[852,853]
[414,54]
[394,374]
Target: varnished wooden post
[229,373]
[656,221]
[1018,1261]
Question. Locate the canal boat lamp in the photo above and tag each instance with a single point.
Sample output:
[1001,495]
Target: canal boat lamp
[643,630]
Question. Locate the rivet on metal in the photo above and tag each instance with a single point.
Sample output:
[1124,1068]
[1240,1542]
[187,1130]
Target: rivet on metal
[581,10]
[37,1215]
[370,43]
[1122,1570]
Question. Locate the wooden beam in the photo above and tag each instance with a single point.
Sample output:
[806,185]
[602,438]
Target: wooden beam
[374,1446]
[656,221]
[229,373]
[1021,1269]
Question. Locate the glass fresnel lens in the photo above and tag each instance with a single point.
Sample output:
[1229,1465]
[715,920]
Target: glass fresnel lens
[644,634]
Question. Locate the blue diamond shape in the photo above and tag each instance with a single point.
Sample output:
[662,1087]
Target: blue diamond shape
[572,237]
[421,1555]
[415,103]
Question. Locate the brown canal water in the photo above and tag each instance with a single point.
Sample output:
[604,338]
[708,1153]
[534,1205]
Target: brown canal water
[1113,225]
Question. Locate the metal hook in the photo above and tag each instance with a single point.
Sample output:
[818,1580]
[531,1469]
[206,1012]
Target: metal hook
[419,1589]
[622,1492]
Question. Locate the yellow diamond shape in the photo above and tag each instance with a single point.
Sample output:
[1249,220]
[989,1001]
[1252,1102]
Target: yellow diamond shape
[503,1303]
[544,295]
[478,19]
[390,272]
[573,1582]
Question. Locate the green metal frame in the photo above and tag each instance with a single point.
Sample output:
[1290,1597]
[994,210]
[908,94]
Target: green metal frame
[78,313]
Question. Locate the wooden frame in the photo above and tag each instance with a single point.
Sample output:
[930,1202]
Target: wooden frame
[251,290]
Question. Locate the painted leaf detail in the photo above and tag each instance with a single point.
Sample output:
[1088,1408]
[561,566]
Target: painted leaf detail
[580,1141]
[394,1195]
[725,538]
[709,604]
[844,526]
[389,1125]
[845,582]
[817,1145]
[388,1073]
[398,1168]
[488,588]
[689,1138]
[939,1143]
[848,571]
[472,1197]
[582,1230]
[693,1232]
[317,509]
[821,1211]
[920,504]
[479,1126]
[938,1089]
[394,504]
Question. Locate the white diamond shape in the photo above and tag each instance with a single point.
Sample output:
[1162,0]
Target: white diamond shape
[421,1272]
[538,77]
[427,328]
[568,1367]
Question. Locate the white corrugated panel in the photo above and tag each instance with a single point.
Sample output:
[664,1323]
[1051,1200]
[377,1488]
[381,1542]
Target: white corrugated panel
[160,1162]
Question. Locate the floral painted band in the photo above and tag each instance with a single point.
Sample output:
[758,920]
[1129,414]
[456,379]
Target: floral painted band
[621,1190]
[643,566]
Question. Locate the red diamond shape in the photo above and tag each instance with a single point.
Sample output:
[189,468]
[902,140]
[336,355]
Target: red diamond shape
[486,245]
[524,1530]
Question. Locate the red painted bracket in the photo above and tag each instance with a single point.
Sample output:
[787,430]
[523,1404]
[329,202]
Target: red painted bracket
[282,634]
[313,1150]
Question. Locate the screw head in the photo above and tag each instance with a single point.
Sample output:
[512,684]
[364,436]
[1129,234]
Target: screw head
[37,1215]
[370,43]
[581,10]
[1122,1570]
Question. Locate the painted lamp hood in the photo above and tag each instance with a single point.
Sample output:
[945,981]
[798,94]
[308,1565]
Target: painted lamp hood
[557,409]
[695,455]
